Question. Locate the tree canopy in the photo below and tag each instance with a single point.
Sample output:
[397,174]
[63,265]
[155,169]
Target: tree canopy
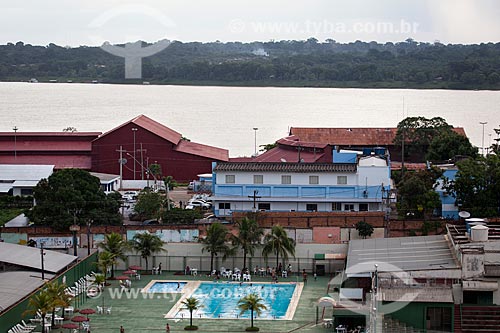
[71,195]
[477,186]
[448,144]
[148,204]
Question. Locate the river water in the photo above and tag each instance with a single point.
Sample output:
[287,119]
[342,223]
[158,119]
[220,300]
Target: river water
[225,116]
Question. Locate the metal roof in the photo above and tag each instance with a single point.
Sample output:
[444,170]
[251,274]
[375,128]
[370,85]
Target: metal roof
[199,149]
[16,285]
[404,253]
[105,177]
[15,172]
[25,256]
[284,167]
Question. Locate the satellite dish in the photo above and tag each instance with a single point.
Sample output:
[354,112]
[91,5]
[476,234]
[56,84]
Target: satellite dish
[283,160]
[463,214]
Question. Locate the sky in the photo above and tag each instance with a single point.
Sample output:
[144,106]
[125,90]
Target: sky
[92,22]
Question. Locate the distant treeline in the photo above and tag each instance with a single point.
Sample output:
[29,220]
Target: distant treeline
[281,63]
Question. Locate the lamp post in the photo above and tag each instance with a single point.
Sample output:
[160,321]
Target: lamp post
[134,130]
[482,142]
[255,140]
[89,223]
[42,260]
[15,142]
[74,229]
[375,293]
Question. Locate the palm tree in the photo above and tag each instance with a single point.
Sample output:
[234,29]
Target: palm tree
[40,303]
[116,245]
[100,280]
[59,297]
[215,242]
[277,242]
[147,244]
[191,304]
[105,260]
[253,303]
[248,238]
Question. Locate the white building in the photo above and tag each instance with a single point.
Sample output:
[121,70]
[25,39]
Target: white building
[324,187]
[21,179]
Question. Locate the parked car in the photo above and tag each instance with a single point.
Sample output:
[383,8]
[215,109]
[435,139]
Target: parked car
[150,222]
[191,186]
[199,203]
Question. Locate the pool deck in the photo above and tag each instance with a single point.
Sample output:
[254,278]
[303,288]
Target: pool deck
[145,312]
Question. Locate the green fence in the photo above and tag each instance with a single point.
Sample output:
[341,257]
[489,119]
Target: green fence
[13,316]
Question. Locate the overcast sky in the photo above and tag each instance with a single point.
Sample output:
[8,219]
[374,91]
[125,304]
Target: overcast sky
[91,22]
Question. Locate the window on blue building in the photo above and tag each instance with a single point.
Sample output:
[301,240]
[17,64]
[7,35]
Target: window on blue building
[312,207]
[258,179]
[336,206]
[349,207]
[264,206]
[341,180]
[224,205]
[286,179]
[230,179]
[314,180]
[363,207]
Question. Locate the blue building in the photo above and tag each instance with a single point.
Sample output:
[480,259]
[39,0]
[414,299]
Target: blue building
[449,207]
[353,182]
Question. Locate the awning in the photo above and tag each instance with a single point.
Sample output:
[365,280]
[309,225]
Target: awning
[329,256]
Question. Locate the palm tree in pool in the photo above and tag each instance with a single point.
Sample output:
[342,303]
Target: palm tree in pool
[248,237]
[215,242]
[277,242]
[41,303]
[116,245]
[191,304]
[59,297]
[147,244]
[252,303]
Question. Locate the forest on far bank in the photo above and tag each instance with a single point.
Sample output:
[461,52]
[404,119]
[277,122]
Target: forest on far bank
[406,64]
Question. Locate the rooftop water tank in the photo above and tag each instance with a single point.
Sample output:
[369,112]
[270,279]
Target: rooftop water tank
[367,151]
[479,233]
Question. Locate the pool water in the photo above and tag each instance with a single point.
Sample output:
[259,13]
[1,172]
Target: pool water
[220,300]
[167,287]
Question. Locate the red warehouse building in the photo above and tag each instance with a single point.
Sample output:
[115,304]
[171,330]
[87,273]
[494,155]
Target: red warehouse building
[142,142]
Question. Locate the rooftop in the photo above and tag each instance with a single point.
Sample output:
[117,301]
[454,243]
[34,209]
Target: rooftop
[285,167]
[24,172]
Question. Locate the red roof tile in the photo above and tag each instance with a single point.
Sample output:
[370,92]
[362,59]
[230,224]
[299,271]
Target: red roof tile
[279,154]
[351,136]
[54,134]
[286,167]
[152,126]
[295,141]
[199,149]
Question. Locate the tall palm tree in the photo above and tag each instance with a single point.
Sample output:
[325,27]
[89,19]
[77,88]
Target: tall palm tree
[40,303]
[277,242]
[59,297]
[191,304]
[104,261]
[147,244]
[248,237]
[116,245]
[253,303]
[216,242]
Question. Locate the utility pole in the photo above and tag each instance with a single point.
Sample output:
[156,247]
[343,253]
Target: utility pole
[15,142]
[482,142]
[255,140]
[134,130]
[254,197]
[121,162]
[142,163]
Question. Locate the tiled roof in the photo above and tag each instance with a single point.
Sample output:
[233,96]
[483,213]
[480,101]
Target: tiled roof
[199,149]
[54,134]
[152,126]
[351,136]
[295,141]
[285,167]
[279,154]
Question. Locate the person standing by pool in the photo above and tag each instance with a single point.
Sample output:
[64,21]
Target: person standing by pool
[167,328]
[304,275]
[122,330]
[159,268]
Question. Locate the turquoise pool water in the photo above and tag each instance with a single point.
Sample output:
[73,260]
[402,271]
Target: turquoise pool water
[220,300]
[167,287]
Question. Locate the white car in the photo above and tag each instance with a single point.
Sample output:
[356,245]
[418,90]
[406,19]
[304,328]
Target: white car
[198,203]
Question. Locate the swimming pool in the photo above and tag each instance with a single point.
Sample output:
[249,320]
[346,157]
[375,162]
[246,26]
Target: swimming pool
[166,287]
[220,300]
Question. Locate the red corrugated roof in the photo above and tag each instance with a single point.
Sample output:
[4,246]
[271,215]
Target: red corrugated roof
[152,126]
[295,141]
[199,149]
[60,161]
[351,136]
[409,166]
[279,154]
[55,134]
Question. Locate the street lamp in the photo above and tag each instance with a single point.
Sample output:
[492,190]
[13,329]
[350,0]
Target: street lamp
[134,130]
[42,260]
[15,142]
[89,223]
[255,140]
[482,142]
[74,228]
[375,293]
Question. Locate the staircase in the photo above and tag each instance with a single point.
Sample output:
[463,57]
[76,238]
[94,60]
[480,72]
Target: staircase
[480,319]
